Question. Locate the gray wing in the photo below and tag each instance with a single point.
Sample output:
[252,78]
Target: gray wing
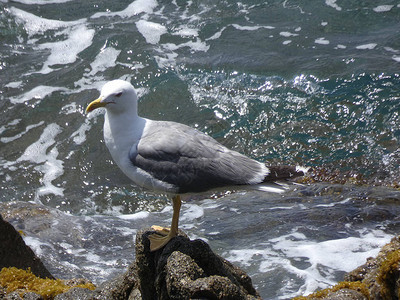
[191,160]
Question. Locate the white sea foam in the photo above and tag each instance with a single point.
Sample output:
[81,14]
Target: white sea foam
[369,46]
[10,124]
[66,51]
[17,136]
[14,85]
[326,257]
[79,136]
[135,8]
[251,28]
[93,78]
[396,58]
[321,260]
[78,37]
[34,24]
[36,152]
[46,160]
[70,108]
[105,59]
[191,212]
[125,231]
[334,203]
[169,54]
[332,3]
[41,2]
[383,8]
[36,93]
[390,49]
[216,35]
[151,31]
[210,204]
[135,216]
[322,41]
[281,207]
[36,244]
[270,189]
[185,31]
[287,34]
[198,45]
[246,256]
[90,82]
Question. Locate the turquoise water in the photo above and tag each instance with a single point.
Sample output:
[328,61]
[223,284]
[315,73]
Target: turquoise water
[294,82]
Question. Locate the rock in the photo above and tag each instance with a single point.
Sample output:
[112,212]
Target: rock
[76,294]
[186,269]
[13,296]
[3,292]
[26,296]
[183,269]
[15,253]
[346,294]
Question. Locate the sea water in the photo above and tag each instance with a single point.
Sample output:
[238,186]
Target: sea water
[294,82]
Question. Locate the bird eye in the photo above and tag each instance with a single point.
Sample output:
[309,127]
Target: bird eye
[118,95]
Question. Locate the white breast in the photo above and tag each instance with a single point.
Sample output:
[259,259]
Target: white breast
[119,138]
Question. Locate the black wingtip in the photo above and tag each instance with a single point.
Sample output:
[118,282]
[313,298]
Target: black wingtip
[285,172]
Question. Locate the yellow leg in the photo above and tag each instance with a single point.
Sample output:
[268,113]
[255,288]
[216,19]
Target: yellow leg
[164,235]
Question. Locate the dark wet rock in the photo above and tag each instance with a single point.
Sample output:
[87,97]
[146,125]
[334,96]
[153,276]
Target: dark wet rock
[186,269]
[15,253]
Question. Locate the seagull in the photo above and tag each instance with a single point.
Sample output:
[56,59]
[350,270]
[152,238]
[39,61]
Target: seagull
[173,158]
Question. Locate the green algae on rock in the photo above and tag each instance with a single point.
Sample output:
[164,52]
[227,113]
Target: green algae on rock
[24,281]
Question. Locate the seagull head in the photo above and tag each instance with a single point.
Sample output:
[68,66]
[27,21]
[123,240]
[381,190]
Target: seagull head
[116,96]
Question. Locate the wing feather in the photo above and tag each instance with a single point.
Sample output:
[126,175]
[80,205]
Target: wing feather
[192,160]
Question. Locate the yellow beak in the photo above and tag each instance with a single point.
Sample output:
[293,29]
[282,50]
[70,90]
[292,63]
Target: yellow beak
[95,104]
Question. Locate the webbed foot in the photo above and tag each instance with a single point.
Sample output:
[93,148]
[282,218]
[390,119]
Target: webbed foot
[164,234]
